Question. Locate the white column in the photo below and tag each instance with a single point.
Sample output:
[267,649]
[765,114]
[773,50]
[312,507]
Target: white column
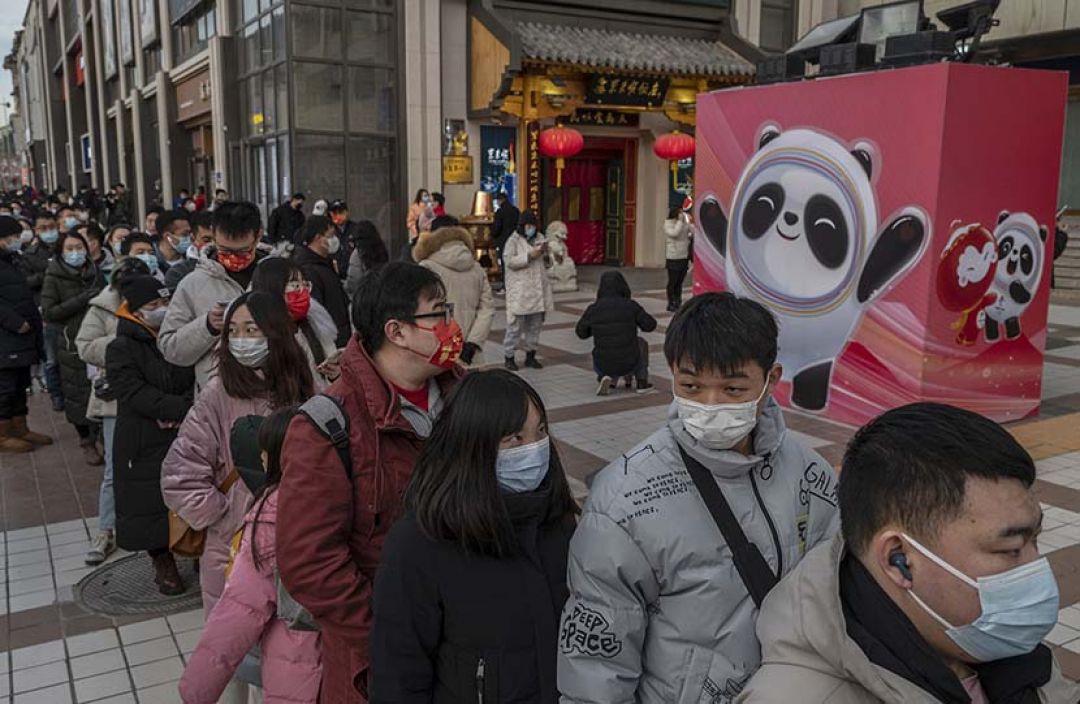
[423,118]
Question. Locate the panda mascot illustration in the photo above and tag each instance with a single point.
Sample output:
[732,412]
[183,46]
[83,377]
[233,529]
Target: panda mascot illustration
[1021,251]
[802,237]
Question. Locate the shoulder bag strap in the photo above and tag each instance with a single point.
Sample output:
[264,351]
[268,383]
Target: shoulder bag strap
[754,570]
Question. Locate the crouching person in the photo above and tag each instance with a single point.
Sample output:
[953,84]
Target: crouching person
[935,592]
[663,596]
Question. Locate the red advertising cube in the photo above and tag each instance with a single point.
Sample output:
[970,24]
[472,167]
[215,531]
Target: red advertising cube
[898,223]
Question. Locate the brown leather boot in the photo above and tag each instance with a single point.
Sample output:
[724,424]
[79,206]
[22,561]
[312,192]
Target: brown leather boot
[90,453]
[166,576]
[19,430]
[10,443]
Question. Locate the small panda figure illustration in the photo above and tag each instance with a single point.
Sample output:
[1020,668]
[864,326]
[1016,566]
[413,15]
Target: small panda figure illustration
[802,237]
[1021,252]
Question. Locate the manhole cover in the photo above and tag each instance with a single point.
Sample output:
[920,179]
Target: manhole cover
[127,586]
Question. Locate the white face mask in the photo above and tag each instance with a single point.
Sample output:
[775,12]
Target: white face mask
[333,244]
[720,426]
[154,318]
[249,351]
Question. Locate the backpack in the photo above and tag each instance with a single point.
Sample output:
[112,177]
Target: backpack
[326,414]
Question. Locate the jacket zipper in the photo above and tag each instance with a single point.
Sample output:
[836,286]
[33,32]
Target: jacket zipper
[480,682]
[772,526]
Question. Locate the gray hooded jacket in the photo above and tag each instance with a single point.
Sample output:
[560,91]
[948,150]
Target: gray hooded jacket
[657,610]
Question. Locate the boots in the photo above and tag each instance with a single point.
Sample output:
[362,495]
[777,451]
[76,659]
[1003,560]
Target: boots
[19,430]
[90,452]
[9,442]
[166,576]
[511,364]
[530,361]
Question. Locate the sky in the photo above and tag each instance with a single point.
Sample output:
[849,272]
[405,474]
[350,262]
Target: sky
[11,17]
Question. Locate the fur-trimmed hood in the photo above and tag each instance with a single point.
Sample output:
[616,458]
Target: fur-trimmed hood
[432,242]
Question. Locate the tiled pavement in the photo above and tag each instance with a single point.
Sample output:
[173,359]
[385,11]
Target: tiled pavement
[54,653]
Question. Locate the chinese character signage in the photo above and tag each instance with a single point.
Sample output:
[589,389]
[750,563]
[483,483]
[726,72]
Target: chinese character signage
[498,172]
[603,118]
[621,89]
[532,182]
[457,169]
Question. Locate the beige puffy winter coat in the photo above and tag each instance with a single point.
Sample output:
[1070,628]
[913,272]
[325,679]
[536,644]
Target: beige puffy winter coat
[449,253]
[808,657]
[97,330]
[528,288]
[677,236]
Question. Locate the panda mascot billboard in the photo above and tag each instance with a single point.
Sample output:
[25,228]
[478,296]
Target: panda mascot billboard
[842,214]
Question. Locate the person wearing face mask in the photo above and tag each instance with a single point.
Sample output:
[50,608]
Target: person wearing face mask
[71,281]
[175,238]
[97,330]
[420,206]
[191,247]
[21,343]
[528,290]
[319,244]
[260,367]
[115,237]
[395,374]
[683,536]
[935,590]
[471,582]
[152,397]
[316,333]
[35,256]
[285,220]
[98,253]
[68,219]
[224,271]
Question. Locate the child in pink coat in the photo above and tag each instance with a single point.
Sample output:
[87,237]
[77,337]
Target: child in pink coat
[246,614]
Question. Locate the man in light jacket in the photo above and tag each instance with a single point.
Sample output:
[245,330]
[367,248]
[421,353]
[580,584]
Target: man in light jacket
[658,612]
[935,592]
[197,310]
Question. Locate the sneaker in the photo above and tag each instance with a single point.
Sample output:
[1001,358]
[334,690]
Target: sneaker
[644,387]
[605,386]
[104,545]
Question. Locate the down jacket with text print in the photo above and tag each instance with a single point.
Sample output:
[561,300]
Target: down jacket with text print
[657,610]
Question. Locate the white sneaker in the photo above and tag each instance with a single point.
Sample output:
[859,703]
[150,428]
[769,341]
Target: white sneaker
[104,545]
[605,386]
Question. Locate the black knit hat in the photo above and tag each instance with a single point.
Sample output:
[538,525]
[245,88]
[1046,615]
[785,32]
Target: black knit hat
[140,290]
[9,226]
[528,217]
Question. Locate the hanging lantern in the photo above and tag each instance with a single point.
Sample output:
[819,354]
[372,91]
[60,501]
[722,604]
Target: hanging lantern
[561,143]
[674,147]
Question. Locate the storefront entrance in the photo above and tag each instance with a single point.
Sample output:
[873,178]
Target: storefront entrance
[596,201]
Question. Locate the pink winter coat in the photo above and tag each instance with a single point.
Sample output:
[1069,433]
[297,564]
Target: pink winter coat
[246,615]
[198,462]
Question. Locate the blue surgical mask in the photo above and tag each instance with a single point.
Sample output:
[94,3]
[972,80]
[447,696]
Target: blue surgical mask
[1019,608]
[523,468]
[70,222]
[50,236]
[183,245]
[530,231]
[150,260]
[75,259]
[13,245]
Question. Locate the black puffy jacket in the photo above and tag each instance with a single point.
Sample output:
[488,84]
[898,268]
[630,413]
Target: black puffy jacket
[452,627]
[34,262]
[326,288]
[17,307]
[613,321]
[148,389]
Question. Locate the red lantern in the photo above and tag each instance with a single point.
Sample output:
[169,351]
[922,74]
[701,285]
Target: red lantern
[560,142]
[674,147]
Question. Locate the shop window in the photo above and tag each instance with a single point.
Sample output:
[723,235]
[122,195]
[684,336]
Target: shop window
[251,9]
[279,34]
[778,24]
[266,42]
[596,203]
[371,181]
[319,165]
[573,204]
[385,5]
[316,32]
[371,100]
[270,119]
[371,38]
[282,83]
[318,99]
[193,34]
[250,41]
[256,120]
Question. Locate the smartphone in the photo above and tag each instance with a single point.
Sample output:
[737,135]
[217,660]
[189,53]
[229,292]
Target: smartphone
[1062,211]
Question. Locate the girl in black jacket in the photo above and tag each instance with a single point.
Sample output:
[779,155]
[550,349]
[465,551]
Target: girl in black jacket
[473,578]
[613,322]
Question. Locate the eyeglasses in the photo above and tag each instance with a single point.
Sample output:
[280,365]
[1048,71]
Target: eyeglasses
[447,314]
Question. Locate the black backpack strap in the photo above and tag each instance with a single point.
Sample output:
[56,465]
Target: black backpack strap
[326,414]
[751,564]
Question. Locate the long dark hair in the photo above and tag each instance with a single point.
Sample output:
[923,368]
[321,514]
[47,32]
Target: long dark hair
[454,494]
[271,439]
[271,275]
[420,195]
[286,377]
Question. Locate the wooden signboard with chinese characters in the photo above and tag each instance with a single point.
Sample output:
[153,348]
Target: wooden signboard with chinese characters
[532,171]
[603,118]
[621,89]
[457,169]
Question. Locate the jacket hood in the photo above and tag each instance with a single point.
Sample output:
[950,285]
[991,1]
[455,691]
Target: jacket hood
[613,285]
[320,319]
[768,434]
[108,300]
[431,243]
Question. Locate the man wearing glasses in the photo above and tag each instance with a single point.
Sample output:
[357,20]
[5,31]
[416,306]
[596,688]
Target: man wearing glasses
[395,373]
[197,310]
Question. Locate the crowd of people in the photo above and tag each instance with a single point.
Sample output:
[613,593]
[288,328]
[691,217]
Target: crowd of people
[379,520]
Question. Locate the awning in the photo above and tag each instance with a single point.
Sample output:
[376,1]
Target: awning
[629,51]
